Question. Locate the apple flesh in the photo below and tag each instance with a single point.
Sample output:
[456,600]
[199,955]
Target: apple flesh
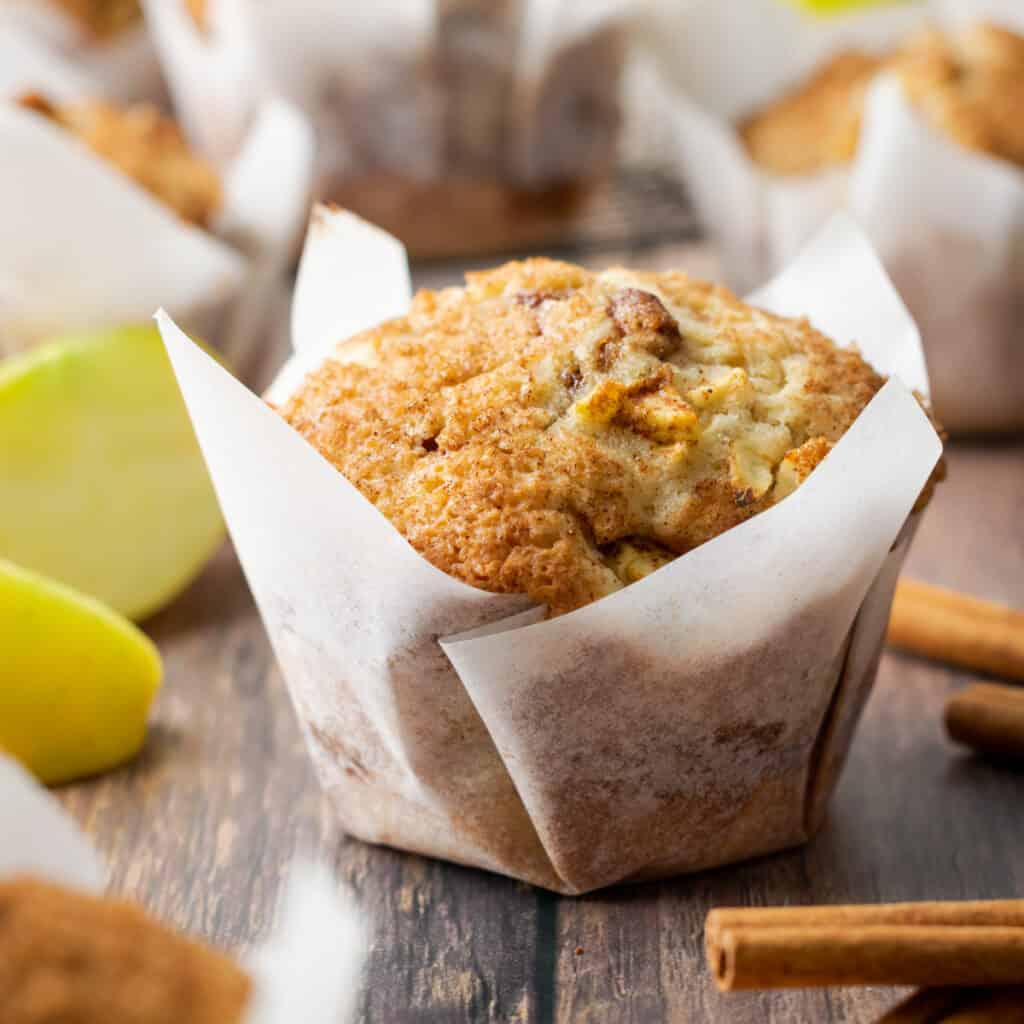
[76,679]
[102,485]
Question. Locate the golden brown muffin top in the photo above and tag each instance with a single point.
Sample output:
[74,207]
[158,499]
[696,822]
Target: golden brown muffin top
[78,959]
[145,145]
[969,86]
[817,124]
[560,433]
[103,18]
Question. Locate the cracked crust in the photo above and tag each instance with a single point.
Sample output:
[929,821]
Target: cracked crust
[550,431]
[67,956]
[968,85]
[146,146]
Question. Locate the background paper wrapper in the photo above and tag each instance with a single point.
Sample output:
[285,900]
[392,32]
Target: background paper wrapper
[948,223]
[433,113]
[682,722]
[309,970]
[124,67]
[82,246]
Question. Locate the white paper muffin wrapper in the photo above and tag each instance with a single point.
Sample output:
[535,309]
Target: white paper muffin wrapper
[308,970]
[948,223]
[82,246]
[501,105]
[676,724]
[125,67]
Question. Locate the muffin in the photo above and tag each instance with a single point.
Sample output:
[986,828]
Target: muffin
[460,125]
[968,85]
[523,553]
[559,433]
[146,146]
[817,124]
[68,956]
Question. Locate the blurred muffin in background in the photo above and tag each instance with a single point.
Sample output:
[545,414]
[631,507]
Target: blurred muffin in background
[145,145]
[106,41]
[968,85]
[104,19]
[459,125]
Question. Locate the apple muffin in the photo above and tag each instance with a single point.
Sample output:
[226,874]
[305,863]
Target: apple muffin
[561,433]
[968,86]
[146,146]
[71,957]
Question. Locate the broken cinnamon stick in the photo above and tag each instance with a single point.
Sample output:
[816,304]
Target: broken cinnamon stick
[926,944]
[957,628]
[989,718]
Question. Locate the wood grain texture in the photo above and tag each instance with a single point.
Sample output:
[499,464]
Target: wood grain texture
[202,827]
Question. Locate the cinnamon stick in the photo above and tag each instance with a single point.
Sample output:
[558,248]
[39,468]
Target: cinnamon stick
[926,944]
[989,718]
[979,635]
[762,958]
[1005,913]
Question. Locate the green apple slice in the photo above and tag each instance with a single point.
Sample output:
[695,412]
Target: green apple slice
[76,679]
[102,485]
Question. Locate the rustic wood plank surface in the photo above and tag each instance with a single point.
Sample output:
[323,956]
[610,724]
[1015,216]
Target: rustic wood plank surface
[202,827]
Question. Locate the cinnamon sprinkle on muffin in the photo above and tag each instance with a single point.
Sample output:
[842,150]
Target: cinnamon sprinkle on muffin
[560,433]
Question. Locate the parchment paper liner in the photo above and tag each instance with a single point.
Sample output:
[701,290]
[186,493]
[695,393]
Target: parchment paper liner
[309,968]
[948,223]
[674,725]
[83,246]
[124,67]
[517,91]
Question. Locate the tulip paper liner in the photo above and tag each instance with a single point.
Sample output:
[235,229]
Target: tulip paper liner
[492,105]
[124,67]
[674,725]
[84,246]
[913,190]
[309,969]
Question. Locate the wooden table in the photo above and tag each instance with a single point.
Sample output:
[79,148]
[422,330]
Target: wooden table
[203,826]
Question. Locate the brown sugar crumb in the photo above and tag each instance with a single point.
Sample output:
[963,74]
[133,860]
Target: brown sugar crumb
[146,146]
[816,125]
[581,444]
[69,957]
[103,19]
[968,86]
